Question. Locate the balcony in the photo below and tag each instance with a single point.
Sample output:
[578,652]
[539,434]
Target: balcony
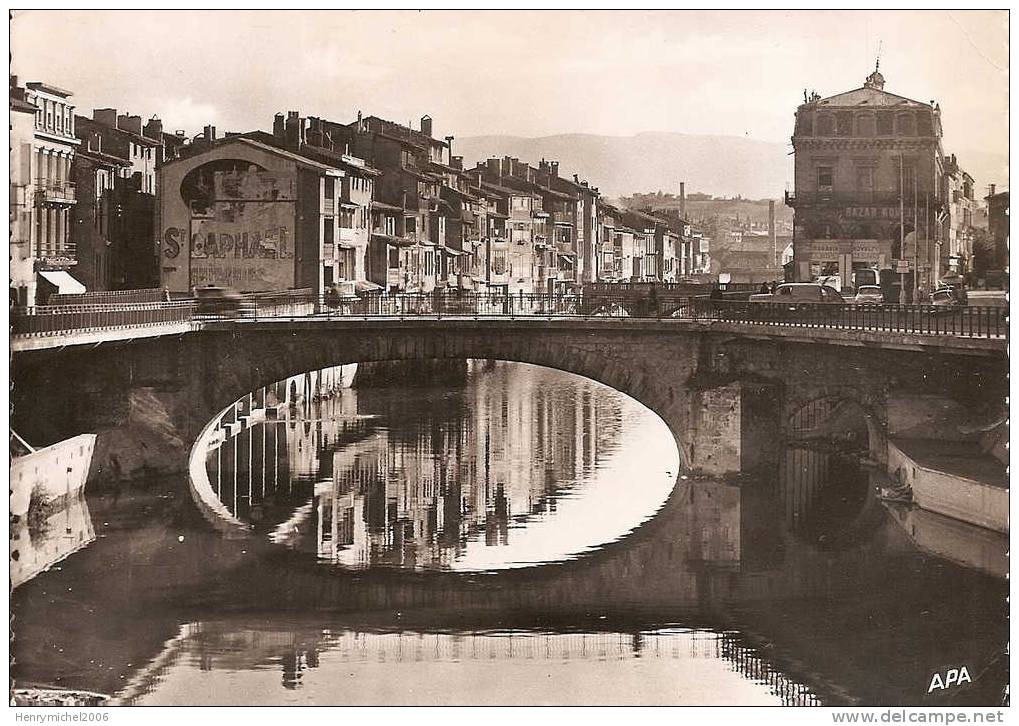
[854,199]
[328,251]
[55,191]
[56,257]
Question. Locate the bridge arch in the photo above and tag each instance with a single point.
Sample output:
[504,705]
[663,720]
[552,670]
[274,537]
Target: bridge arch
[240,361]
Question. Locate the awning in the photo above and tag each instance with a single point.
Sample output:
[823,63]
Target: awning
[566,259]
[367,286]
[391,240]
[65,284]
[349,205]
[452,252]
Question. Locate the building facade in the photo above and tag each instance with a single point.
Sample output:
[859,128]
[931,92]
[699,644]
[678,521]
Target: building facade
[958,224]
[868,181]
[97,214]
[246,215]
[53,194]
[118,216]
[22,202]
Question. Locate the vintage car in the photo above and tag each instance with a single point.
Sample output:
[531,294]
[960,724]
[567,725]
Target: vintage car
[868,295]
[801,292]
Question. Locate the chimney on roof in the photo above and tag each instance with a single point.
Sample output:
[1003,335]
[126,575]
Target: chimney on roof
[449,145]
[771,231]
[180,133]
[555,169]
[105,116]
[132,124]
[426,125]
[296,131]
[278,127]
[576,179]
[457,162]
[990,190]
[153,129]
[209,133]
[682,200]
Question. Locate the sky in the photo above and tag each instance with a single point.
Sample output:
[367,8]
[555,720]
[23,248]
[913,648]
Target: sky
[526,73]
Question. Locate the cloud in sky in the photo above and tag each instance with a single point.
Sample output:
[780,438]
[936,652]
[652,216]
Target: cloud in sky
[524,73]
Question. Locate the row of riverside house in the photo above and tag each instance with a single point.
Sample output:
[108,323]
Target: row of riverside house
[389,207]
[108,202]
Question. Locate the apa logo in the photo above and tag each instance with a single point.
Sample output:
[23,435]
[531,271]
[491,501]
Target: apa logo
[952,677]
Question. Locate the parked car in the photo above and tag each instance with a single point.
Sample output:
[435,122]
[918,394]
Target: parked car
[869,295]
[801,292]
[221,301]
[945,297]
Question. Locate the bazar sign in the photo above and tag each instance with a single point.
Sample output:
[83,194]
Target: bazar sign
[871,212]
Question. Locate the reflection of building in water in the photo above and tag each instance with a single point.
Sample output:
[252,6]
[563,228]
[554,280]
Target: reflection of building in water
[220,646]
[39,542]
[418,490]
[273,438]
[411,482]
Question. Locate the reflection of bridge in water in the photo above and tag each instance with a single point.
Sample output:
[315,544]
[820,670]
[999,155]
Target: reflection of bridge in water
[242,645]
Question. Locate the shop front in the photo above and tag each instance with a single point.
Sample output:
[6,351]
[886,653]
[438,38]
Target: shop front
[841,258]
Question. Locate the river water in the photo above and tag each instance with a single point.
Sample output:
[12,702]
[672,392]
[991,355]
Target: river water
[515,535]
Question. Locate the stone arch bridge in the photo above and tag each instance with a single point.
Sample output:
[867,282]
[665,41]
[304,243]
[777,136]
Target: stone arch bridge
[724,390]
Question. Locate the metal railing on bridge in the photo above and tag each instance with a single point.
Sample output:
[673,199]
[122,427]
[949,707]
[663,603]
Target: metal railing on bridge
[60,319]
[961,321]
[109,297]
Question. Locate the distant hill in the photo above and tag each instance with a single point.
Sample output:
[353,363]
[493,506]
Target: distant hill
[651,161]
[698,209]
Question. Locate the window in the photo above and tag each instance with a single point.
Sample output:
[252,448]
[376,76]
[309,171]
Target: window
[905,125]
[347,218]
[906,183]
[328,237]
[884,123]
[864,179]
[390,226]
[394,258]
[429,262]
[825,125]
[865,124]
[825,178]
[844,122]
[521,203]
[499,262]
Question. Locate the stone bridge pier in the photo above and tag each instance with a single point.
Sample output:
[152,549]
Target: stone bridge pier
[729,399]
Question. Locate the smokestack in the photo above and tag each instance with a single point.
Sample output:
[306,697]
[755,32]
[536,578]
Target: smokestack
[682,200]
[771,230]
[278,127]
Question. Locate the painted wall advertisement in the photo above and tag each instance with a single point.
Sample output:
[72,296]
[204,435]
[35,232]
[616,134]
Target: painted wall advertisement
[241,236]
